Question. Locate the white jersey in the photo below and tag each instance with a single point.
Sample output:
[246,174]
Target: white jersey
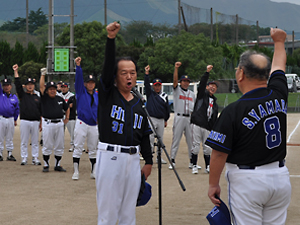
[183,100]
[66,96]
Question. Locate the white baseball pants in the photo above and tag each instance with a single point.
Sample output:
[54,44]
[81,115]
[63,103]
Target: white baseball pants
[159,126]
[7,130]
[84,132]
[71,128]
[53,138]
[29,128]
[258,196]
[181,124]
[199,136]
[118,181]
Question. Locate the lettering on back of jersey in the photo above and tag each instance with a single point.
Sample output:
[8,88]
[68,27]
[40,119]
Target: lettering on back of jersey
[264,110]
[218,137]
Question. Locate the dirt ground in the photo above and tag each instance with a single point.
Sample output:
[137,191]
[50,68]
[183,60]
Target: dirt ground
[29,196]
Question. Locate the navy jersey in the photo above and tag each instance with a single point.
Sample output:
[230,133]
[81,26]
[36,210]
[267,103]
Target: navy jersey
[252,130]
[121,122]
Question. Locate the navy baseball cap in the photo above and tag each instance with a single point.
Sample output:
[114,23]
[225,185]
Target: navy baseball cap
[157,81]
[51,84]
[213,82]
[219,215]
[6,81]
[64,84]
[185,77]
[29,80]
[90,78]
[59,82]
[145,192]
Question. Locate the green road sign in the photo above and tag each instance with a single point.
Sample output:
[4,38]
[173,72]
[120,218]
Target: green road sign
[61,62]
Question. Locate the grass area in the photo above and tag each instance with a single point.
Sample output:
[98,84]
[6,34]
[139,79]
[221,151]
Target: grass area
[227,98]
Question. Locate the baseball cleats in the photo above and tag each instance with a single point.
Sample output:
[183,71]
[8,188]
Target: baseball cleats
[170,166]
[75,176]
[207,169]
[71,149]
[59,169]
[24,161]
[1,158]
[11,158]
[46,169]
[191,166]
[36,161]
[195,169]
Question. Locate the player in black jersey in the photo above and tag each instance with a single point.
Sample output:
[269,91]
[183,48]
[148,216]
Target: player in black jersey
[250,137]
[123,132]
[53,108]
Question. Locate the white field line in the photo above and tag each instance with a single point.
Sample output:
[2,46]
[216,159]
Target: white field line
[294,175]
[291,134]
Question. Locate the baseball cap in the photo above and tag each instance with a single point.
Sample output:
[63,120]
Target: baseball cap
[29,80]
[157,81]
[213,82]
[6,81]
[59,82]
[185,77]
[51,84]
[219,215]
[90,78]
[145,192]
[64,84]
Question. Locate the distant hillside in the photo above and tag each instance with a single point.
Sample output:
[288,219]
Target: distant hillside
[283,15]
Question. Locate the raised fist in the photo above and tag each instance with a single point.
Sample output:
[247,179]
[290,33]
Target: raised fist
[209,68]
[112,29]
[43,71]
[278,35]
[147,68]
[15,67]
[177,64]
[78,61]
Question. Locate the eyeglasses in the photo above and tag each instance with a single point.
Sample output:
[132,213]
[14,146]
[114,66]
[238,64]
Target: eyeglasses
[237,68]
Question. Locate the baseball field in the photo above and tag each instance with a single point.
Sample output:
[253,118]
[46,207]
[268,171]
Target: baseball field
[29,196]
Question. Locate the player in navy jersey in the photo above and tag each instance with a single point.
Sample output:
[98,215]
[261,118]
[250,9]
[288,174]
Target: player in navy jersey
[250,137]
[123,132]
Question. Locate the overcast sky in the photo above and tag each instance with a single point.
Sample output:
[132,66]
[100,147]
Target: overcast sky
[290,1]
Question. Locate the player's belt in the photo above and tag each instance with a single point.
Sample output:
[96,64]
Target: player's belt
[6,117]
[130,150]
[182,114]
[52,120]
[245,167]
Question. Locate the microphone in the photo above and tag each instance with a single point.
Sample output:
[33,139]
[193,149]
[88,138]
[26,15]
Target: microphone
[138,94]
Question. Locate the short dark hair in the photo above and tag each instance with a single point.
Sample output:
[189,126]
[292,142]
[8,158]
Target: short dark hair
[124,58]
[252,70]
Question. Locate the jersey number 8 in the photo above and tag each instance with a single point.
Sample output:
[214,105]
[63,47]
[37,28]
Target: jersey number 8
[272,130]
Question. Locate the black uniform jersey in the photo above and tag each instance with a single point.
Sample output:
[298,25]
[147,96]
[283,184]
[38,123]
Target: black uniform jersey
[53,108]
[72,100]
[120,121]
[30,104]
[252,130]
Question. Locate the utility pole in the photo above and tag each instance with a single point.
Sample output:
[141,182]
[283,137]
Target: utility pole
[211,25]
[179,17]
[237,30]
[27,29]
[50,41]
[105,12]
[257,32]
[71,77]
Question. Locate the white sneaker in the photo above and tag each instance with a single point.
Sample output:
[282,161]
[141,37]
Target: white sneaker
[162,161]
[191,166]
[24,161]
[207,169]
[195,169]
[92,176]
[36,161]
[75,176]
[170,166]
[71,149]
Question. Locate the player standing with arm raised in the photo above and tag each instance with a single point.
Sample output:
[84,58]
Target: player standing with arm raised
[183,106]
[250,137]
[30,118]
[123,133]
[157,107]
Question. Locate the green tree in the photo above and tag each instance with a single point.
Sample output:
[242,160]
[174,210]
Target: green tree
[30,69]
[17,54]
[90,39]
[194,51]
[31,53]
[5,55]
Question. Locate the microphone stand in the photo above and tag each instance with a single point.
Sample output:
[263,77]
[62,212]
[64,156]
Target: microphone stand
[160,145]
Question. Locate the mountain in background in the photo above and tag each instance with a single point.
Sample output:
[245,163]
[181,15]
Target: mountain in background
[268,13]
